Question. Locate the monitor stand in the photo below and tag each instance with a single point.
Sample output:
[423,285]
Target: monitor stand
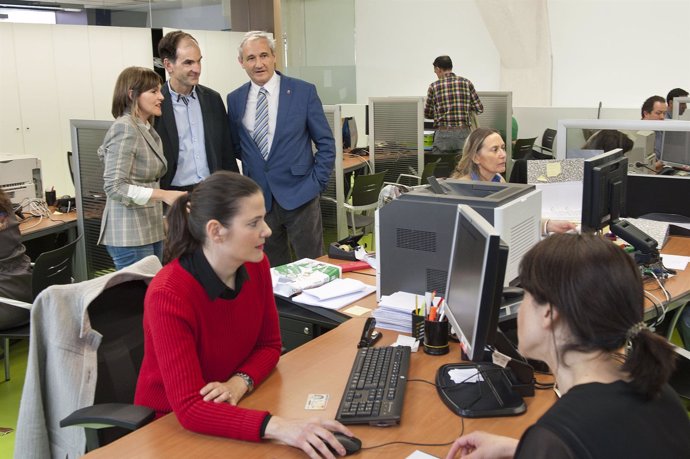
[491,395]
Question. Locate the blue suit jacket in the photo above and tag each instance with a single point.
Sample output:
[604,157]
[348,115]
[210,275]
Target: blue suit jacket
[293,174]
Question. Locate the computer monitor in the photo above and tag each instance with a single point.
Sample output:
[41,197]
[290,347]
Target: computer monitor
[641,158]
[675,149]
[473,299]
[475,281]
[603,189]
[603,203]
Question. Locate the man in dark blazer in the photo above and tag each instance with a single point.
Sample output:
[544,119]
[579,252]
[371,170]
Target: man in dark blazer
[273,121]
[193,126]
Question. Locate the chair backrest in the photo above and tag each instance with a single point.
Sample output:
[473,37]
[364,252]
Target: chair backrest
[548,138]
[522,147]
[366,188]
[429,170]
[53,268]
[519,172]
[117,314]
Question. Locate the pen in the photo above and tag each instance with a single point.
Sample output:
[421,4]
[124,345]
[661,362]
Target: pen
[416,307]
[442,310]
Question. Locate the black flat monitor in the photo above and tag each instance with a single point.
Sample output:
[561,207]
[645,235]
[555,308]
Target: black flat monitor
[473,300]
[475,281]
[603,203]
[675,149]
[603,189]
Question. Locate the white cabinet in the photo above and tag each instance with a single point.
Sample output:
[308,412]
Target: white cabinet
[54,73]
[11,134]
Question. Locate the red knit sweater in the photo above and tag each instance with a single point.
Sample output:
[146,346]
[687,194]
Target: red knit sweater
[191,341]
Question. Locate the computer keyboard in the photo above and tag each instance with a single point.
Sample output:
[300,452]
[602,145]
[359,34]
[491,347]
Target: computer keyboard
[376,387]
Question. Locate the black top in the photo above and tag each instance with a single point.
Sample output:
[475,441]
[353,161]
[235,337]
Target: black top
[609,420]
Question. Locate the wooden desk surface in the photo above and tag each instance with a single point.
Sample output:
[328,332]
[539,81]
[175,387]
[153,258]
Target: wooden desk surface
[353,162]
[33,227]
[322,366]
[678,286]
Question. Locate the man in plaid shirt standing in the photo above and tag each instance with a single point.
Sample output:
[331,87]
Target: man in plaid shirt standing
[449,102]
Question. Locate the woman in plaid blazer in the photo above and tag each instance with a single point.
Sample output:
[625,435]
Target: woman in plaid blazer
[132,153]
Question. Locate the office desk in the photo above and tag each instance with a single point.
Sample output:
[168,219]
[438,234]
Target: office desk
[352,162]
[678,286]
[35,227]
[322,366]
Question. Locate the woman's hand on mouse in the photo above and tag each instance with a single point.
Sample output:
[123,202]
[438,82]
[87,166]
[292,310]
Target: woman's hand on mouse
[309,435]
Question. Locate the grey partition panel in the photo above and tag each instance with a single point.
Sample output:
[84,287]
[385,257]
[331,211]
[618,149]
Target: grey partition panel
[87,136]
[396,135]
[498,112]
[332,211]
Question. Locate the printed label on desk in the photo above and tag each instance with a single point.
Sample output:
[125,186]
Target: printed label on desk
[316,402]
[500,359]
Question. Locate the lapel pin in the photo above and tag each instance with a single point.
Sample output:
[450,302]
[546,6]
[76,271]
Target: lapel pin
[288,91]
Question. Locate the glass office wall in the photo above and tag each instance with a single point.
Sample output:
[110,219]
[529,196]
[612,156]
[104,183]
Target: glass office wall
[318,46]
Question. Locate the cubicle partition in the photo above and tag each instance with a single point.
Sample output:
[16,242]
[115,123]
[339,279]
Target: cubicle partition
[87,136]
[332,209]
[498,113]
[396,135]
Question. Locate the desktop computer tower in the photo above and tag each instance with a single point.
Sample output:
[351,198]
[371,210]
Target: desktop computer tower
[414,232]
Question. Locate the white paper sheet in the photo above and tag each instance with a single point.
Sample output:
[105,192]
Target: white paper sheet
[335,303]
[676,262]
[561,201]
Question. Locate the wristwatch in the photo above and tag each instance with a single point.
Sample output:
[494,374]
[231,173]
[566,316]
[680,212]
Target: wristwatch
[247,379]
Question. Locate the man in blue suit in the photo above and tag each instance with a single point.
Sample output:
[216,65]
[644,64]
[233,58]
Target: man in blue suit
[273,121]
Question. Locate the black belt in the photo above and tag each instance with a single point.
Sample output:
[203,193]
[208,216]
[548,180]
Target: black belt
[187,188]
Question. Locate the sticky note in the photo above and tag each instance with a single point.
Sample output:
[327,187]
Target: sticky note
[357,310]
[553,169]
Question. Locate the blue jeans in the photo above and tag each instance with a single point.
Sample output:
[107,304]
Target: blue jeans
[125,256]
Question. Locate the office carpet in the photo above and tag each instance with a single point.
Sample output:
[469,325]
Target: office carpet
[10,394]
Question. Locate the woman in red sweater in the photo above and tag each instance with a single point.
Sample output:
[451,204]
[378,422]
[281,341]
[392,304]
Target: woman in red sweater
[210,321]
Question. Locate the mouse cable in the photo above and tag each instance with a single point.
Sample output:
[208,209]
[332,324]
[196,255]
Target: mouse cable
[658,307]
[462,432]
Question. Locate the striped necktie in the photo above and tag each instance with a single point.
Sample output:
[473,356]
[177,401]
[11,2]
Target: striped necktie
[261,123]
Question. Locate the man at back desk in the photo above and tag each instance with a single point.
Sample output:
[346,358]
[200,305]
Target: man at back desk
[450,102]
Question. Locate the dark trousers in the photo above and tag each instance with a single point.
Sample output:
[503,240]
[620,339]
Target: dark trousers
[300,228]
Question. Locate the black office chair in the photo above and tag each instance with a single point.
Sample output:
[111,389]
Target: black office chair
[519,172]
[547,141]
[522,148]
[50,268]
[117,314]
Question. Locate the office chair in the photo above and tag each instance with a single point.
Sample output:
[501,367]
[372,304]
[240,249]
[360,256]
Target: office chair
[522,147]
[519,172]
[50,268]
[117,314]
[69,164]
[547,141]
[364,196]
[428,171]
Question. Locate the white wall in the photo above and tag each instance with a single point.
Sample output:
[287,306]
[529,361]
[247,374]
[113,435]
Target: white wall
[396,42]
[211,17]
[618,51]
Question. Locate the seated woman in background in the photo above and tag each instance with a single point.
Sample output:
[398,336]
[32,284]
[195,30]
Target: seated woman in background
[133,160]
[15,268]
[484,159]
[582,315]
[211,324]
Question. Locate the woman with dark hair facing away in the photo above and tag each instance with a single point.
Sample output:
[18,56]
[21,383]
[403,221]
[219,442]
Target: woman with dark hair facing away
[484,159]
[609,139]
[211,324]
[15,268]
[582,315]
[132,155]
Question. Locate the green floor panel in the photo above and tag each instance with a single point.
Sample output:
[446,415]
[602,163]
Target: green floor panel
[10,395]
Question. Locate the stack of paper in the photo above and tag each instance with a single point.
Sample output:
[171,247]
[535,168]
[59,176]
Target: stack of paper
[395,311]
[292,278]
[336,294]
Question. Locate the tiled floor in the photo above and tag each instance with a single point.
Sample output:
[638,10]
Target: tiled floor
[10,394]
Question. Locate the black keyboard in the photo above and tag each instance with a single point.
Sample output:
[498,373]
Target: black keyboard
[376,387]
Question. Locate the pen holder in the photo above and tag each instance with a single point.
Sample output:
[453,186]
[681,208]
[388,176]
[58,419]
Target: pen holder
[418,327]
[51,197]
[436,337]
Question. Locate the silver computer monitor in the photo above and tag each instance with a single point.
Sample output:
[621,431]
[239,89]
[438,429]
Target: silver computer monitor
[675,149]
[475,281]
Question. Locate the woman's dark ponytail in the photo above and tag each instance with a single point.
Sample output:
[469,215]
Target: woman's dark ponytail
[179,239]
[650,361]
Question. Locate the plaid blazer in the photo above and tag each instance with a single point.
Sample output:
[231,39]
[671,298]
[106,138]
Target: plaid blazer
[132,154]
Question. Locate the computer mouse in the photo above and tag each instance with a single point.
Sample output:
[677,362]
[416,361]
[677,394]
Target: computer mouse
[666,170]
[512,292]
[351,444]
